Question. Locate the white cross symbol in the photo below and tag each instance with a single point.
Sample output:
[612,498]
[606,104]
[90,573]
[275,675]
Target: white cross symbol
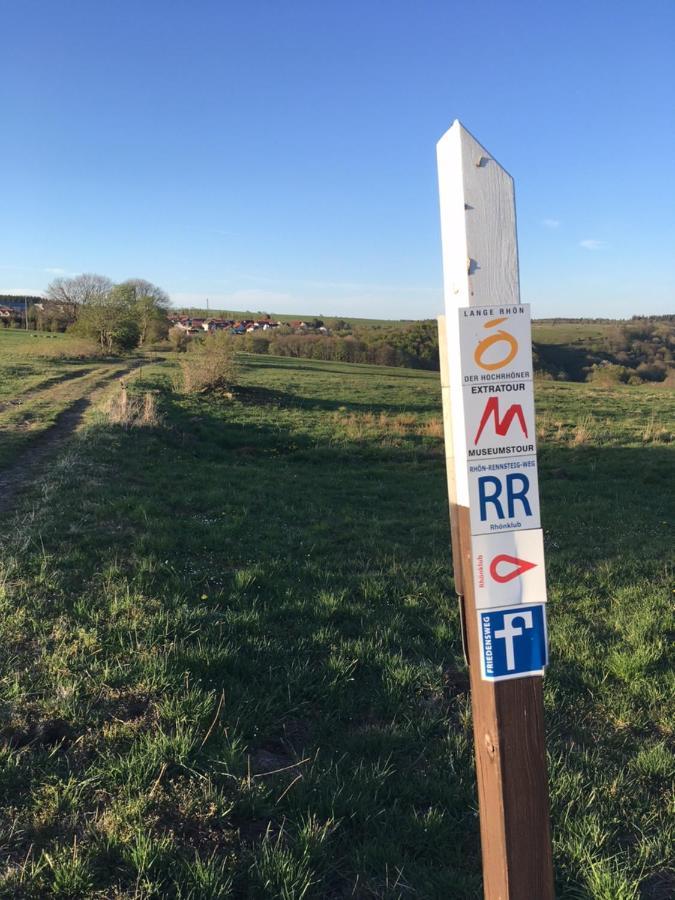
[509,631]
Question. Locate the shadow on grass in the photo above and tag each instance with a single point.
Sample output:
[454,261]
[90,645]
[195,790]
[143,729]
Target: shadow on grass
[340,368]
[317,601]
[290,400]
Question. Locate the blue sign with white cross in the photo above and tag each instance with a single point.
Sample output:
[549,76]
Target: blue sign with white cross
[512,641]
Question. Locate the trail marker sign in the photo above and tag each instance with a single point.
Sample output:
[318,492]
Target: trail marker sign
[508,568]
[485,349]
[495,343]
[500,426]
[503,495]
[513,642]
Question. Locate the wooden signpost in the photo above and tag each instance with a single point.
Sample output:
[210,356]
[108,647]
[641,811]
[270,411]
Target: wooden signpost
[497,546]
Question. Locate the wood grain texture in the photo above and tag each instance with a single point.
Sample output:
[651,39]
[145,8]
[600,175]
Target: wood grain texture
[449,452]
[480,267]
[509,737]
[480,255]
[478,224]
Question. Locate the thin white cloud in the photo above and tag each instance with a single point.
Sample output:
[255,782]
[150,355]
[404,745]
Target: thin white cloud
[593,244]
[24,292]
[550,223]
[55,270]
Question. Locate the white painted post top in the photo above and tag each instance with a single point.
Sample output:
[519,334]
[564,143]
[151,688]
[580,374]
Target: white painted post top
[478,224]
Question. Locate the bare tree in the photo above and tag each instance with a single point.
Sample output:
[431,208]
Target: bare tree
[82,290]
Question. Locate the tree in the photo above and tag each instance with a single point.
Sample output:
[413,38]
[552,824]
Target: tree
[110,319]
[74,293]
[150,305]
[46,315]
[179,339]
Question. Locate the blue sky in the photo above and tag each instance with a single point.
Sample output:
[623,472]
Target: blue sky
[281,155]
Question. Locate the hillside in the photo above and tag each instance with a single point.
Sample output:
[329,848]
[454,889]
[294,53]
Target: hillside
[638,350]
[232,658]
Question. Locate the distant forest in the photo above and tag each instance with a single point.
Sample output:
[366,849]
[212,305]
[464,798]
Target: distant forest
[19,300]
[634,351]
[639,350]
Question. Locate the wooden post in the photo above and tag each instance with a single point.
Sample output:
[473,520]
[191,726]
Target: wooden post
[480,263]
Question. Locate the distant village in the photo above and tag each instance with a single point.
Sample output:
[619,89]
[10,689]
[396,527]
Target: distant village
[196,325]
[13,311]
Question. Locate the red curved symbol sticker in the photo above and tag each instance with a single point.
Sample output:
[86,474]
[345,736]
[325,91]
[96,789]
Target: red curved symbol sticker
[508,568]
[501,426]
[520,566]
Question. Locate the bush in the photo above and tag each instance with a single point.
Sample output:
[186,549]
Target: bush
[179,339]
[112,326]
[209,366]
[132,411]
[654,371]
[608,373]
[159,346]
[254,343]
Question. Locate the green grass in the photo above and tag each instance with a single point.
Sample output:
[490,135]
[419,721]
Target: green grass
[588,334]
[30,360]
[42,376]
[232,663]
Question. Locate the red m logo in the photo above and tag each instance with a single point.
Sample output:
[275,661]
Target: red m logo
[515,411]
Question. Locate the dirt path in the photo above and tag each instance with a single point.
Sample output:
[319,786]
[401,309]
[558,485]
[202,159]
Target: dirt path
[43,386]
[27,469]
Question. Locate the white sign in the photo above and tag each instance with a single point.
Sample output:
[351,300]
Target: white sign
[488,407]
[495,344]
[508,568]
[503,495]
[499,420]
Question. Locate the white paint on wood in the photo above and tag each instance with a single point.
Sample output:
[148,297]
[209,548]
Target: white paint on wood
[480,256]
[447,411]
[478,224]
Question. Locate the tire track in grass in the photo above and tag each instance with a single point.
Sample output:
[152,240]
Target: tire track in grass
[37,389]
[48,441]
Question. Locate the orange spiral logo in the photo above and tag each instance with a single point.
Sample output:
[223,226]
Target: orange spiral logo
[498,337]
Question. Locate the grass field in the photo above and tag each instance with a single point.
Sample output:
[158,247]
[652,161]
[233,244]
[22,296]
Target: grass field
[231,658]
[29,362]
[42,377]
[585,333]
